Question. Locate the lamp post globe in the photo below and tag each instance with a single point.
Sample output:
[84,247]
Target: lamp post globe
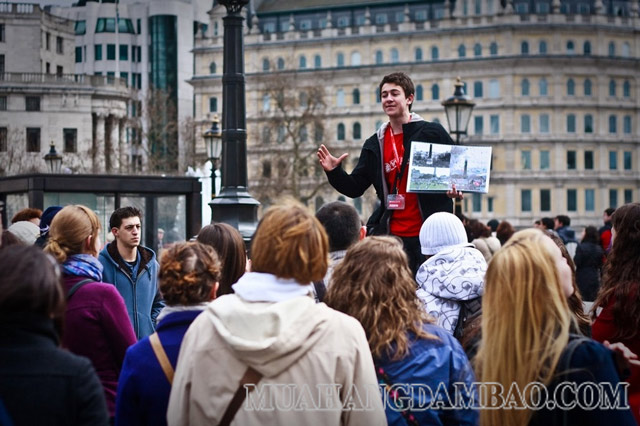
[53,159]
[458,110]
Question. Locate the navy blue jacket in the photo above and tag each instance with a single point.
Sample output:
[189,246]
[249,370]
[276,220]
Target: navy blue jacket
[142,296]
[143,389]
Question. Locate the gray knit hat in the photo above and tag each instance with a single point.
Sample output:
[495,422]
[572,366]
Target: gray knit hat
[26,231]
[441,231]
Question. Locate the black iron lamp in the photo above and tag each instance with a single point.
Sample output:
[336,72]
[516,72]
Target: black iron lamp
[458,110]
[53,159]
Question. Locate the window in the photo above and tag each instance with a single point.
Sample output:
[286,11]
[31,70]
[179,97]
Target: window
[544,160]
[525,200]
[525,123]
[613,124]
[612,87]
[612,49]
[626,50]
[478,124]
[340,59]
[626,124]
[139,26]
[477,50]
[318,133]
[524,48]
[340,131]
[545,200]
[47,41]
[589,200]
[357,131]
[571,160]
[281,63]
[303,134]
[356,96]
[462,51]
[571,123]
[626,89]
[59,45]
[543,88]
[628,196]
[3,139]
[395,56]
[417,54]
[544,123]
[265,64]
[571,87]
[340,98]
[494,123]
[494,89]
[613,198]
[524,87]
[613,160]
[70,138]
[435,92]
[33,139]
[542,47]
[281,134]
[476,202]
[212,68]
[124,52]
[586,48]
[2,35]
[489,204]
[588,160]
[97,52]
[587,87]
[572,201]
[379,58]
[111,52]
[588,123]
[3,103]
[419,92]
[525,160]
[434,53]
[32,103]
[213,104]
[381,18]
[78,54]
[317,61]
[355,59]
[627,156]
[266,102]
[59,70]
[571,49]
[302,62]
[477,89]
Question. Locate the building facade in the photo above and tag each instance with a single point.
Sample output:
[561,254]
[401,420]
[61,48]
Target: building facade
[556,87]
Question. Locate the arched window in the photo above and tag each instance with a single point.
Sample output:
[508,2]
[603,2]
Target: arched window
[379,58]
[571,48]
[613,124]
[525,87]
[543,87]
[357,131]
[395,56]
[477,50]
[434,53]
[524,48]
[571,123]
[265,64]
[340,98]
[317,61]
[586,48]
[303,62]
[419,94]
[542,47]
[212,68]
[493,49]
[340,59]
[356,96]
[418,54]
[280,63]
[626,50]
[340,131]
[435,92]
[612,49]
[571,87]
[587,87]
[462,51]
[626,89]
[612,87]
[355,59]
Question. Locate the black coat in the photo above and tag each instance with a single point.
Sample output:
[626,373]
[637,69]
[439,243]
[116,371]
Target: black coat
[369,171]
[588,260]
[42,384]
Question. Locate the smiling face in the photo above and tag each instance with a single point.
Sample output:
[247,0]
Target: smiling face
[128,234]
[394,102]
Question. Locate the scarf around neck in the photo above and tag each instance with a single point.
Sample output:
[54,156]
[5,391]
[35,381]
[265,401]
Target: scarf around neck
[83,265]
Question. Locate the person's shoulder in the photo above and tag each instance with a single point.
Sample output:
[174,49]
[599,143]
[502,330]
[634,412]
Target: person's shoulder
[588,353]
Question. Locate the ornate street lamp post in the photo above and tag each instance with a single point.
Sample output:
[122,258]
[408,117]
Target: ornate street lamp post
[213,141]
[234,205]
[458,110]
[53,160]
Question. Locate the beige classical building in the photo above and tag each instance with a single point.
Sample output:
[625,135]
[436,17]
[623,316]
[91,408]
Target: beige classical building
[43,101]
[556,86]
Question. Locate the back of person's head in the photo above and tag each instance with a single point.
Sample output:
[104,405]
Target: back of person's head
[26,214]
[504,232]
[591,235]
[547,222]
[442,231]
[188,273]
[290,243]
[564,220]
[122,213]
[525,319]
[45,222]
[342,224]
[401,79]
[376,287]
[69,231]
[478,229]
[26,231]
[30,283]
[493,224]
[609,211]
[230,248]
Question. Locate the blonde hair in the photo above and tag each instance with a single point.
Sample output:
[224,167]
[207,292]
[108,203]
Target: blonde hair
[525,321]
[373,284]
[290,243]
[69,230]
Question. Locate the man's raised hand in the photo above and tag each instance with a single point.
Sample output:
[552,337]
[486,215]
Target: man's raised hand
[328,161]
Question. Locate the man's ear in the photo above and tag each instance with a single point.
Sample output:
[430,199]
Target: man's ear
[363,233]
[114,231]
[214,290]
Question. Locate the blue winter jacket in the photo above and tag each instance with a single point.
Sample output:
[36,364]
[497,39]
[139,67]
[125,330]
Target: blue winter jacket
[433,369]
[142,297]
[143,389]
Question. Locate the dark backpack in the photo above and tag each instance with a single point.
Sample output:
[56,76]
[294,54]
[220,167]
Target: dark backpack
[469,311]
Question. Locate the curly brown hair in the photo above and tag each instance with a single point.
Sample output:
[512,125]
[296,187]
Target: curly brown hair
[383,298]
[188,273]
[622,272]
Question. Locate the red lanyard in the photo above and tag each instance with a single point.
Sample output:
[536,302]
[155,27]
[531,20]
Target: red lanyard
[393,145]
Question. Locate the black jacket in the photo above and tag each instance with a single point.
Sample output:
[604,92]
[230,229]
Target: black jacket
[42,384]
[588,260]
[369,170]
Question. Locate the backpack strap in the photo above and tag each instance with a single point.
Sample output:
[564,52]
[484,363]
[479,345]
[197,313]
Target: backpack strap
[250,376]
[77,286]
[575,340]
[161,355]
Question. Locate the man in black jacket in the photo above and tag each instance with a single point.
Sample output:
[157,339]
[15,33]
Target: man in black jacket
[383,164]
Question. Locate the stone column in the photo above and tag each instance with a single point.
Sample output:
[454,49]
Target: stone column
[114,146]
[123,146]
[98,144]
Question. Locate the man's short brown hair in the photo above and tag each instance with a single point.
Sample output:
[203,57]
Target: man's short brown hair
[402,80]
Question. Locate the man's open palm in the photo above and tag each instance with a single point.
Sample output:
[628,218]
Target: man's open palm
[328,161]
